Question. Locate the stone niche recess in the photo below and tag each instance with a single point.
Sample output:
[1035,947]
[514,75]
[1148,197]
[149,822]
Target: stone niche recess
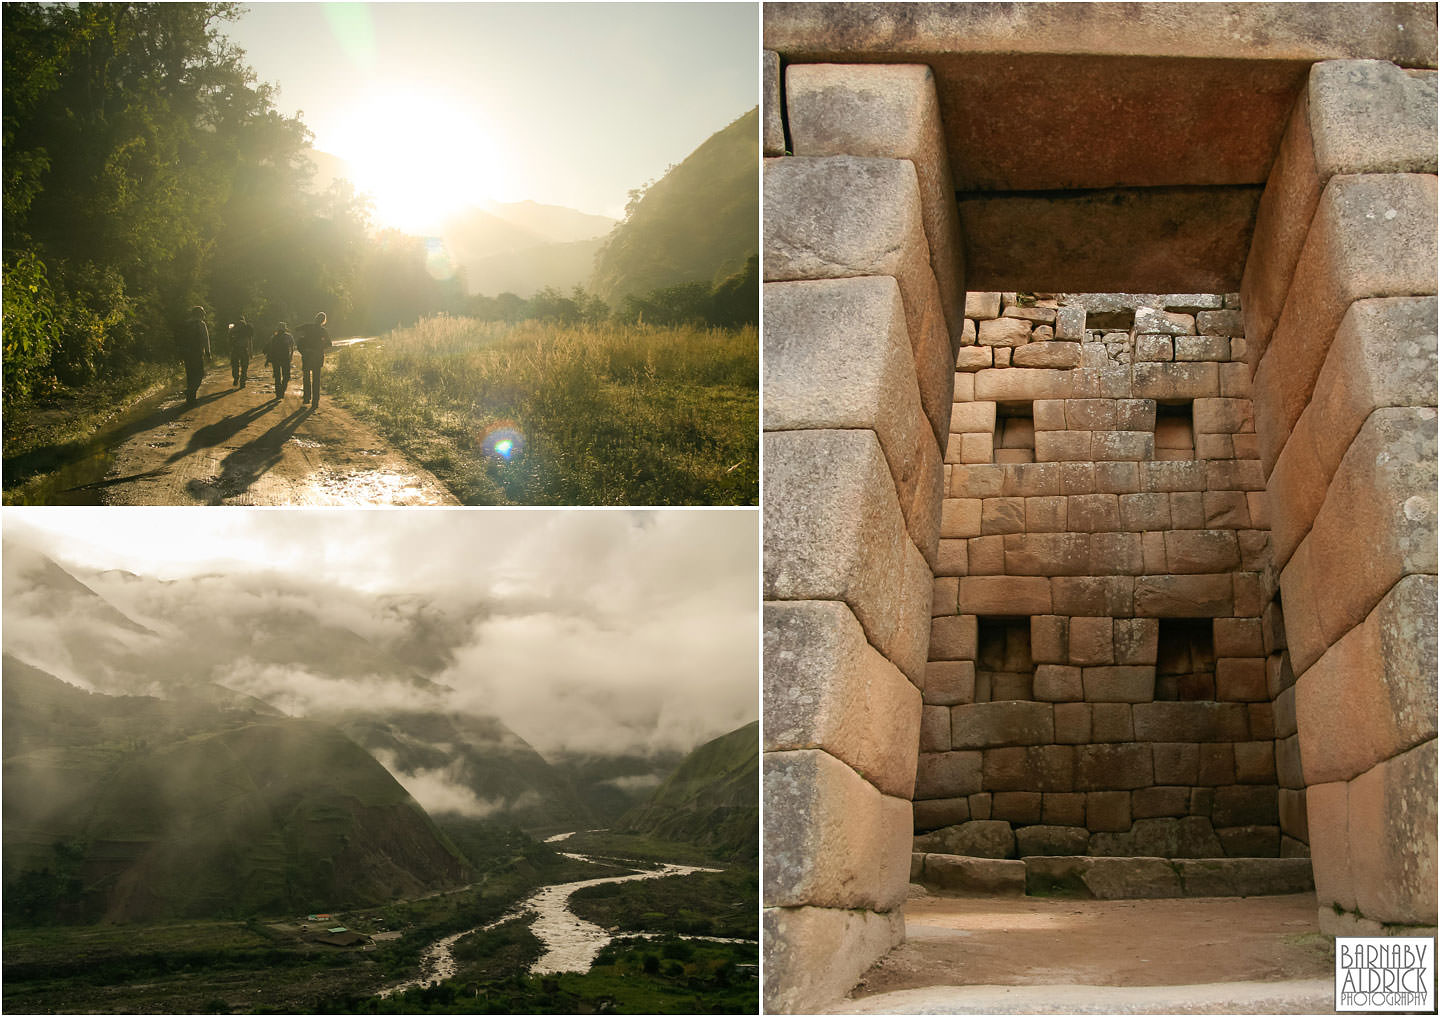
[1131,710]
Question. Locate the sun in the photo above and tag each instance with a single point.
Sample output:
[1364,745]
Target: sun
[418,155]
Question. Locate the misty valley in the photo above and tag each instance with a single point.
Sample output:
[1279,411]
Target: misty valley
[268,793]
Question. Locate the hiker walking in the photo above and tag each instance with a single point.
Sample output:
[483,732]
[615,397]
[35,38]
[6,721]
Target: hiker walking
[241,350]
[280,354]
[194,344]
[312,342]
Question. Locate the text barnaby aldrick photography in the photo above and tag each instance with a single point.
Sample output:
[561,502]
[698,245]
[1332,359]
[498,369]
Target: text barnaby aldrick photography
[1384,974]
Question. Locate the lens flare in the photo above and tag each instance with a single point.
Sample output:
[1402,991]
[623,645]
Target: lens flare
[503,441]
[438,263]
[353,31]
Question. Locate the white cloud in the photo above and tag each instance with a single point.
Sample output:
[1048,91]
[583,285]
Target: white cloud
[440,791]
[594,631]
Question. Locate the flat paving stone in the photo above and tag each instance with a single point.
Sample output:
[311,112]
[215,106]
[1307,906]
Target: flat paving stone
[1311,995]
[1048,955]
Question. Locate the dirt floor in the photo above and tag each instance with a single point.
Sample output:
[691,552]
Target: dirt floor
[245,447]
[1267,951]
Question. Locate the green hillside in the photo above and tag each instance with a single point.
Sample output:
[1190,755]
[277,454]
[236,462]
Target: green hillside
[712,799]
[130,808]
[698,223]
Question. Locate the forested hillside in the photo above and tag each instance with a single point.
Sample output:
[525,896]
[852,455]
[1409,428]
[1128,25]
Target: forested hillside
[698,224]
[711,799]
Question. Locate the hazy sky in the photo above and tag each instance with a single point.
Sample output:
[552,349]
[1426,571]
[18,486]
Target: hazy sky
[588,630]
[566,104]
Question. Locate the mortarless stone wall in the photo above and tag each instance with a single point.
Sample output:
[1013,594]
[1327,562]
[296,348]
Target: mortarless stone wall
[1340,309]
[1104,604]
[863,317]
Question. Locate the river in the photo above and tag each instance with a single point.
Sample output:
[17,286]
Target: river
[571,943]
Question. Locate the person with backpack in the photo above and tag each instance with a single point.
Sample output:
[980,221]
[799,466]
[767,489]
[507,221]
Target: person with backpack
[312,342]
[280,354]
[194,345]
[242,348]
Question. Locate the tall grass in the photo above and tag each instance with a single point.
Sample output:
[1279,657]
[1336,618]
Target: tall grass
[606,414]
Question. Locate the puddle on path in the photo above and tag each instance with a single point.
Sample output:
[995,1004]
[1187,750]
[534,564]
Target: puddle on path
[365,487]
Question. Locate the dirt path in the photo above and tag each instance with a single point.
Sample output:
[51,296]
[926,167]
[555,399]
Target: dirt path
[957,946]
[245,447]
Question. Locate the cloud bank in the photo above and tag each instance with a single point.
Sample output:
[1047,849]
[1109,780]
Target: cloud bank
[610,632]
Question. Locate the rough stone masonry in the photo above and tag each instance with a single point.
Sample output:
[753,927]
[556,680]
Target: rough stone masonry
[1119,650]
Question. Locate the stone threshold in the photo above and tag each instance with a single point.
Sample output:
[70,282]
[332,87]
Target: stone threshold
[1110,878]
[1299,996]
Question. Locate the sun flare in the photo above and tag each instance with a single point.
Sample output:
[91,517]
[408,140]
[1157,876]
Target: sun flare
[418,156]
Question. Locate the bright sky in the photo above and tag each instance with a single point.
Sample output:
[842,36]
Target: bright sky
[438,106]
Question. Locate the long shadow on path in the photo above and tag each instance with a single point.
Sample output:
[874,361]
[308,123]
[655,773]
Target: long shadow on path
[18,468]
[222,430]
[246,464]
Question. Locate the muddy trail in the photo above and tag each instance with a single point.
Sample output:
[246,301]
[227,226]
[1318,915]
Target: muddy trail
[246,447]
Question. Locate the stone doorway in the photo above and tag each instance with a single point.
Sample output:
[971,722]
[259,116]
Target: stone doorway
[878,218]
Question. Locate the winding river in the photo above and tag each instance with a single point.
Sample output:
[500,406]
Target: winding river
[571,943]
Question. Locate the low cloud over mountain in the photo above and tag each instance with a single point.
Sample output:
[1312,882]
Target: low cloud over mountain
[575,633]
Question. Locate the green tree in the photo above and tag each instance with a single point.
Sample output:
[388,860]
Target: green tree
[29,316]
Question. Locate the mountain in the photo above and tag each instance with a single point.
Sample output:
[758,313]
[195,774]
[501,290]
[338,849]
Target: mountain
[612,785]
[122,808]
[526,272]
[274,647]
[48,586]
[524,246]
[555,223]
[519,246]
[698,223]
[260,636]
[712,799]
[55,619]
[469,766]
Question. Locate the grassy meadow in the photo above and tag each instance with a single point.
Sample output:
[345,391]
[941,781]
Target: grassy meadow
[605,414]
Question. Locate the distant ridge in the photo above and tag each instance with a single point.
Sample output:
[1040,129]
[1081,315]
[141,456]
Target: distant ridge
[561,266]
[712,799]
[698,223]
[524,246]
